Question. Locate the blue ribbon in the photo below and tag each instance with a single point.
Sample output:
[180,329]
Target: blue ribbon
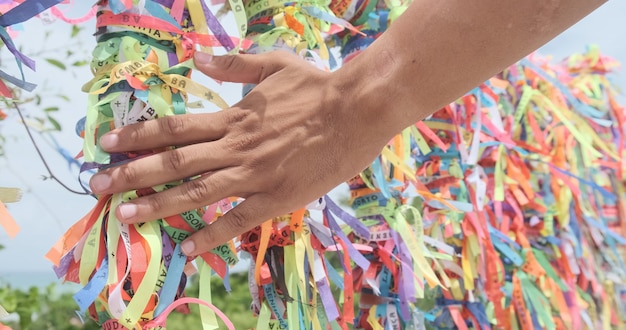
[172,280]
[88,294]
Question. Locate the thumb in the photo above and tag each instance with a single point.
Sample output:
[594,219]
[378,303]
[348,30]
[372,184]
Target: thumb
[240,68]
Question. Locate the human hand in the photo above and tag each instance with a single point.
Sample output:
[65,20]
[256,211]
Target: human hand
[293,138]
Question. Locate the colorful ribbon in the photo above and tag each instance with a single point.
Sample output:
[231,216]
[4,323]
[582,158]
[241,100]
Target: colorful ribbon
[505,209]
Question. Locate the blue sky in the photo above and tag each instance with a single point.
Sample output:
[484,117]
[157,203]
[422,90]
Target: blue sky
[47,210]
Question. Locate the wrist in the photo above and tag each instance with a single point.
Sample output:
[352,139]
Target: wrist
[372,97]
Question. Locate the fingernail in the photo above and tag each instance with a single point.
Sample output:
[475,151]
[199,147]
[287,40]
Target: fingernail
[188,247]
[203,58]
[109,141]
[100,182]
[127,210]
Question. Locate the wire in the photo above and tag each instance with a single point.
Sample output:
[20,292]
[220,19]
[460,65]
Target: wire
[43,160]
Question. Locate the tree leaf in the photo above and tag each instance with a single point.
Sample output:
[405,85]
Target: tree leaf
[75,30]
[56,63]
[51,109]
[64,97]
[80,63]
[55,123]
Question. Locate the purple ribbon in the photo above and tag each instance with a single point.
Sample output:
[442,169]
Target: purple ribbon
[25,11]
[354,223]
[217,28]
[357,257]
[406,288]
[64,264]
[327,300]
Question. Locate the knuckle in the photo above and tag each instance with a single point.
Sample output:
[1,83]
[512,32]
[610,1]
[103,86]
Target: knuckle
[155,203]
[172,125]
[206,237]
[237,219]
[132,136]
[175,160]
[241,143]
[128,174]
[197,190]
[276,61]
[231,62]
[235,116]
[283,188]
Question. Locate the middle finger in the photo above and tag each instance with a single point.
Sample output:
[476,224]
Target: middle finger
[167,166]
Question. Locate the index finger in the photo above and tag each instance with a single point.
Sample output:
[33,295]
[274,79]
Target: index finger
[176,130]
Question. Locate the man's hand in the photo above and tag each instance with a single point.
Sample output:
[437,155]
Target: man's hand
[283,146]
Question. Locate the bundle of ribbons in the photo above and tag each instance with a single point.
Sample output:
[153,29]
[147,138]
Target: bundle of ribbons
[132,274]
[503,210]
[514,196]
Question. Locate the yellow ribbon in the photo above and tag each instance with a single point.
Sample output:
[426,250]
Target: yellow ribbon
[143,70]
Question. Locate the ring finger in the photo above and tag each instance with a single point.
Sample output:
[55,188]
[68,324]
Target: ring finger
[204,190]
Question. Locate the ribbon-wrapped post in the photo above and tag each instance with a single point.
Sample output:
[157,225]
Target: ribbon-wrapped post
[134,275]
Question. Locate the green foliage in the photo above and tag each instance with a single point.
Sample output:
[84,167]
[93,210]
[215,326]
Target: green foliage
[38,309]
[235,304]
[23,303]
[42,309]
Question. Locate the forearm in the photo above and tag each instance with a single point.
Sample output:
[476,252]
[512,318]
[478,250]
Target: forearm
[439,50]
